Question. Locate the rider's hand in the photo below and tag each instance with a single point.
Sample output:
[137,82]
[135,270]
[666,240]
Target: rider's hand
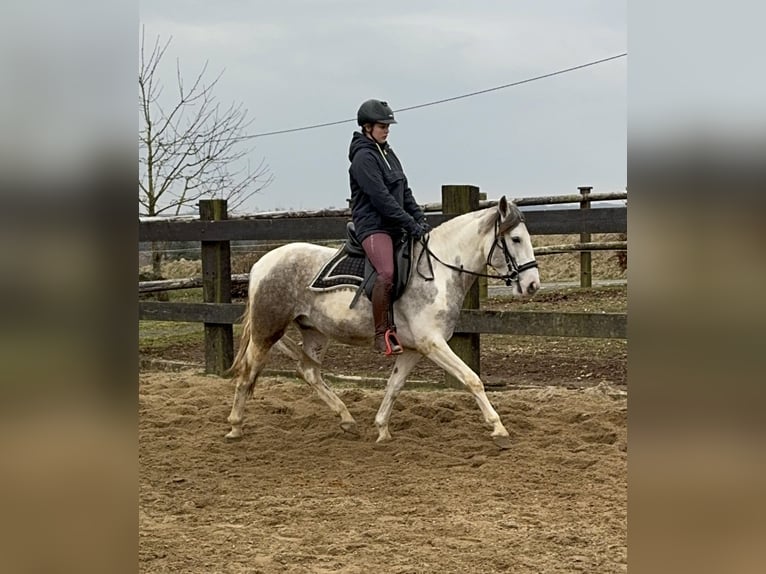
[417,231]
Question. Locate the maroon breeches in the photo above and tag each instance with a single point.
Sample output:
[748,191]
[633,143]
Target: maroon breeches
[380,251]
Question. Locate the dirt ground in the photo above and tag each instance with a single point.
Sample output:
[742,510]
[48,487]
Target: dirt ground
[296,494]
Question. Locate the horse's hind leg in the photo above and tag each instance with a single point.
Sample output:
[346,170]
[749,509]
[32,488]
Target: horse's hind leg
[255,359]
[404,364]
[445,357]
[309,368]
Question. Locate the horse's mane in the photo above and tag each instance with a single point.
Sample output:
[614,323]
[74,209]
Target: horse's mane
[487,218]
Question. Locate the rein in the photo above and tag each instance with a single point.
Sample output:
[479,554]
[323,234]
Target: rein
[514,270]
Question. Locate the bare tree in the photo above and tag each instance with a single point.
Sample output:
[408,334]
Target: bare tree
[190,146]
[194,148]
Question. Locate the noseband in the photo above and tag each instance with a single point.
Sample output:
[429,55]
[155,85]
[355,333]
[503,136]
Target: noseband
[514,270]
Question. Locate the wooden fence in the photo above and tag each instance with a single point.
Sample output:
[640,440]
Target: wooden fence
[215,231]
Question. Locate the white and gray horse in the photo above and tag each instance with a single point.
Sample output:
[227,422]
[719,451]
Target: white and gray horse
[457,252]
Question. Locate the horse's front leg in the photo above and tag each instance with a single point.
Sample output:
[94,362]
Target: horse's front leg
[403,366]
[441,354]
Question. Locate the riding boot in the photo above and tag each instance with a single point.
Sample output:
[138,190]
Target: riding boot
[386,340]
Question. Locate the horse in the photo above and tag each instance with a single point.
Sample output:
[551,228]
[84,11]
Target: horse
[446,264]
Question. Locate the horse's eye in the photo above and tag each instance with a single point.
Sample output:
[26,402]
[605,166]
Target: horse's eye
[516,239]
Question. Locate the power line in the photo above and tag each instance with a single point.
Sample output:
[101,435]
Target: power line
[435,102]
[512,84]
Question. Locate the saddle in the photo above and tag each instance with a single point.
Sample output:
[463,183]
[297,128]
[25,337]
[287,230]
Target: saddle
[349,267]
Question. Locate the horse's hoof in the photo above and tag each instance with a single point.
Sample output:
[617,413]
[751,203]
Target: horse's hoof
[502,441]
[350,427]
[233,437]
[384,437]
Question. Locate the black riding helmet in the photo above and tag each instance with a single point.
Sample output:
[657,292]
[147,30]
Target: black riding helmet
[375,112]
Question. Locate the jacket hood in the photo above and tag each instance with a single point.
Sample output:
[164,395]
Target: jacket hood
[359,142]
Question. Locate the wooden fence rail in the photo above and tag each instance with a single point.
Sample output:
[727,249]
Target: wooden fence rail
[543,323]
[215,231]
[543,222]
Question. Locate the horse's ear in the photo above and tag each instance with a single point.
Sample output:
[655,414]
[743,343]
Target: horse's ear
[502,207]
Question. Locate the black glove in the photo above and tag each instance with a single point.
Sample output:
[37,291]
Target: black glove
[417,230]
[422,221]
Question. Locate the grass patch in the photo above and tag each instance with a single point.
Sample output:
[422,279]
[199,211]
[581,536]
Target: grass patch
[186,295]
[193,295]
[160,335]
[163,334]
[596,299]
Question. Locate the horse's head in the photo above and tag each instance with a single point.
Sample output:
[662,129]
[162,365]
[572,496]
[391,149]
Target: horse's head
[511,253]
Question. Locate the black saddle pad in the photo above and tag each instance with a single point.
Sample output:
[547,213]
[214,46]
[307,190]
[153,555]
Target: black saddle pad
[343,270]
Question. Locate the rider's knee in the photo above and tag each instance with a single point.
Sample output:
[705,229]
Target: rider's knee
[386,277]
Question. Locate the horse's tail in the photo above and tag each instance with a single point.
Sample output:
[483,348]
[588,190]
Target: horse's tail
[241,365]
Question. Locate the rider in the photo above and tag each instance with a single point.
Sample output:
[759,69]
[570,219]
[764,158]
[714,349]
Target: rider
[382,208]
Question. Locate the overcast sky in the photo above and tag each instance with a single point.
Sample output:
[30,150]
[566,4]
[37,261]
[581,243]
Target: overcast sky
[295,63]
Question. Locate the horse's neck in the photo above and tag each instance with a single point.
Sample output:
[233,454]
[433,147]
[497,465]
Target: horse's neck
[459,242]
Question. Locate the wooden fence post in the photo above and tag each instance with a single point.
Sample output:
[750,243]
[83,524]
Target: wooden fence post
[216,288]
[585,256]
[457,199]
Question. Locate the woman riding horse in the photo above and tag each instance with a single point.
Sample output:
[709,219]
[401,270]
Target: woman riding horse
[382,208]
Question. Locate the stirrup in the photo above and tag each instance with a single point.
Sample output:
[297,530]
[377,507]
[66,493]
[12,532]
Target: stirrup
[393,346]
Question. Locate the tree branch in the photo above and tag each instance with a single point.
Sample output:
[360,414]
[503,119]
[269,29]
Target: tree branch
[194,147]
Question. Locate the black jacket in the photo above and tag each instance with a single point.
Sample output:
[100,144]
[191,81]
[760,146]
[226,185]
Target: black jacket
[381,199]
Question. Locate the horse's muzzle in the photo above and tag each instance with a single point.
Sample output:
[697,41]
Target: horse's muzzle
[528,287]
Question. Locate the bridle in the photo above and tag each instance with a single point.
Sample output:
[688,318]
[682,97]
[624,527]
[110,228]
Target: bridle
[514,269]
